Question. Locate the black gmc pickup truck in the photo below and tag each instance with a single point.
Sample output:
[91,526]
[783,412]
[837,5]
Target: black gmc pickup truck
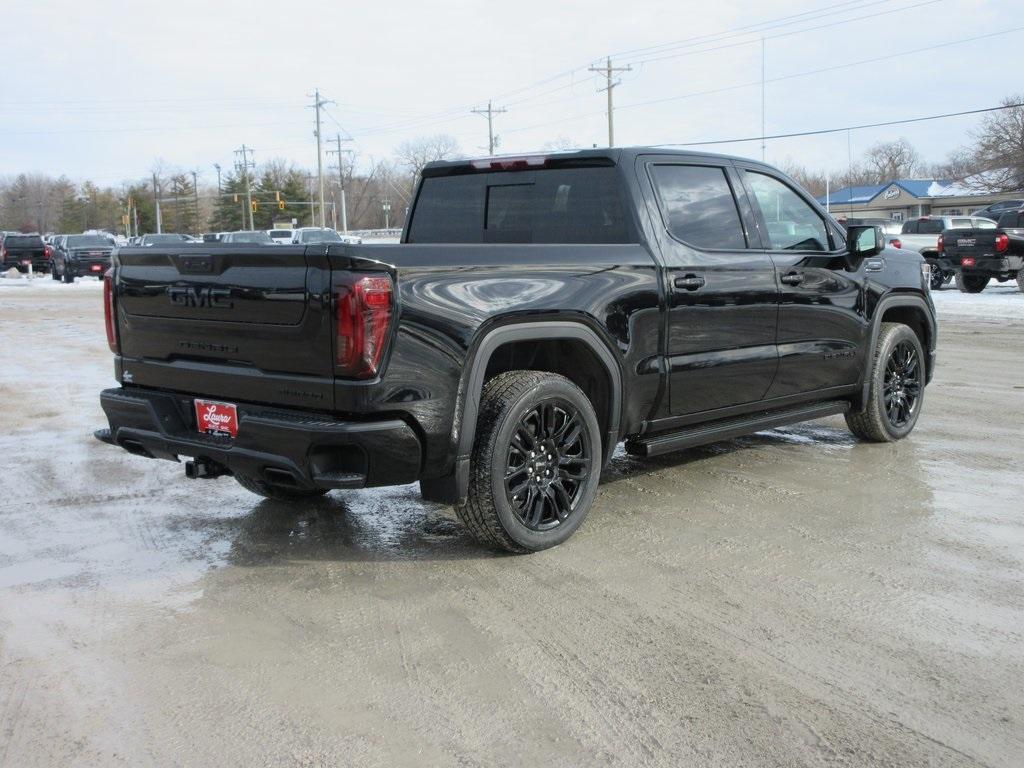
[538,311]
[979,255]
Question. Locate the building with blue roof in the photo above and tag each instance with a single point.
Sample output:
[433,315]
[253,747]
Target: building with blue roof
[903,199]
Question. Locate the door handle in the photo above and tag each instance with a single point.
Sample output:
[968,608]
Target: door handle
[690,282]
[793,278]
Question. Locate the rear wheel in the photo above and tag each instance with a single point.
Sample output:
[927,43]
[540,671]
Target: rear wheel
[1020,280]
[280,493]
[536,462]
[53,272]
[971,283]
[896,389]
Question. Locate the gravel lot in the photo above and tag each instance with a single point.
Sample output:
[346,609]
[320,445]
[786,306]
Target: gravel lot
[792,598]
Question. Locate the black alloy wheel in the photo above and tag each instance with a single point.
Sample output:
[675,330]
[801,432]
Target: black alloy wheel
[903,384]
[548,460]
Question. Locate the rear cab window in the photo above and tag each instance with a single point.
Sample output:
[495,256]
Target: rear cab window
[23,241]
[930,226]
[699,206]
[560,205]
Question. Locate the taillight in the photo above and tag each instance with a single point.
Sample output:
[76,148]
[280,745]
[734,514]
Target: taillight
[968,261]
[108,310]
[364,309]
[47,252]
[895,243]
[3,253]
[1002,242]
[940,244]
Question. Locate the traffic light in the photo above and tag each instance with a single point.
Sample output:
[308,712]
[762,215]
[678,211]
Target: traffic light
[255,206]
[280,204]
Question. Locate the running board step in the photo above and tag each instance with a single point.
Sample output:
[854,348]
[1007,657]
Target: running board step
[727,429]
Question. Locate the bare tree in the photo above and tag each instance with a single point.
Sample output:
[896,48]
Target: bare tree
[999,147]
[813,181]
[892,160]
[414,154]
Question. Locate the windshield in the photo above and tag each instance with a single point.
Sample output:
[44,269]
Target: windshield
[88,241]
[280,233]
[164,239]
[250,237]
[23,241]
[320,236]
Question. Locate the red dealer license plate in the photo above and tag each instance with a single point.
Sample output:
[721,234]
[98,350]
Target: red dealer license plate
[213,418]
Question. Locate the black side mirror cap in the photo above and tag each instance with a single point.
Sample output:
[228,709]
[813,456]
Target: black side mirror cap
[863,241]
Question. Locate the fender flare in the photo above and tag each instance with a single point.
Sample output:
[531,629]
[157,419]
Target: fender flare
[540,330]
[888,302]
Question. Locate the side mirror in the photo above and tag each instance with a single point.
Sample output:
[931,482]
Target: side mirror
[862,242]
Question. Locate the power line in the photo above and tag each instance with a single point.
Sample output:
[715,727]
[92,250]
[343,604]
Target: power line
[862,126]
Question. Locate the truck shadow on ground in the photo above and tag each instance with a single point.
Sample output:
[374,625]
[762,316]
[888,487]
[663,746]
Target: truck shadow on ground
[394,524]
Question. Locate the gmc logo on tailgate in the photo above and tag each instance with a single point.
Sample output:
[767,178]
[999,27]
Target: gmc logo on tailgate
[190,296]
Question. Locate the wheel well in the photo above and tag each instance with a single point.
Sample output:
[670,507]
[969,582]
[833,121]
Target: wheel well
[571,358]
[913,318]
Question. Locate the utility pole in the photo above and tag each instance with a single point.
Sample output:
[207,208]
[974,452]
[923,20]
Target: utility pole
[341,179]
[217,166]
[763,147]
[156,199]
[385,205]
[608,71]
[317,104]
[244,167]
[490,112]
[195,188]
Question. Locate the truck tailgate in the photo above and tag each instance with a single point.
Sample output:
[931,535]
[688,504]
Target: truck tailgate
[241,322]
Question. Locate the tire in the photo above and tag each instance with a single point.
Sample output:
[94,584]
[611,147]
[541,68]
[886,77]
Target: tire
[896,388]
[277,492]
[516,407]
[1020,280]
[67,275]
[53,273]
[971,283]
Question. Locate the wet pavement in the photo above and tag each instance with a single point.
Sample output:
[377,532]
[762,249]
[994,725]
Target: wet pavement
[791,598]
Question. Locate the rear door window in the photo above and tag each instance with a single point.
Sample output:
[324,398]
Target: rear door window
[930,226]
[699,206]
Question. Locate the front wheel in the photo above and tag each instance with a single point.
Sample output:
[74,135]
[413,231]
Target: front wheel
[896,387]
[536,462]
[67,275]
[971,283]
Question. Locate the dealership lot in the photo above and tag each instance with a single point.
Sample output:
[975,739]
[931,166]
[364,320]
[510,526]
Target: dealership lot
[792,598]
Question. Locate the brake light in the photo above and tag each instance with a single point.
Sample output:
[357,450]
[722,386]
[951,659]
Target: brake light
[364,310]
[1002,242]
[895,243]
[108,310]
[47,251]
[968,261]
[3,253]
[508,163]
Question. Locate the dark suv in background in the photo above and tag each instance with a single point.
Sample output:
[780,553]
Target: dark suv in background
[80,255]
[18,251]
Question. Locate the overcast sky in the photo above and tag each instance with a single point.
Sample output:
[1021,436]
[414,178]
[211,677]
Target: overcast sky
[103,89]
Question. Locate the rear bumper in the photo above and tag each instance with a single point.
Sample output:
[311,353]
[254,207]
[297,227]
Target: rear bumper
[282,447]
[984,264]
[81,267]
[39,263]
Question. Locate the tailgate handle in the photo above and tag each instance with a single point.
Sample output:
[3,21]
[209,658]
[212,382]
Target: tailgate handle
[196,264]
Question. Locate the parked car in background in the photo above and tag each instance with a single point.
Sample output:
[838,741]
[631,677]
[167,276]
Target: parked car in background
[923,235]
[19,251]
[312,235]
[259,237]
[165,238]
[282,236]
[996,210]
[979,255]
[212,237]
[80,255]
